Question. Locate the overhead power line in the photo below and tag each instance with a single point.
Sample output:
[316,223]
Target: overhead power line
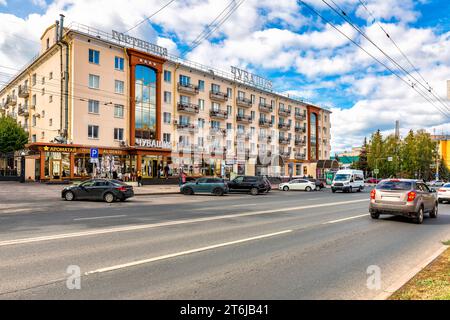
[150,16]
[398,48]
[344,16]
[371,55]
[215,24]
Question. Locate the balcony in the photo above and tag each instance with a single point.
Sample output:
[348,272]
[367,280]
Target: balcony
[300,143]
[264,107]
[300,130]
[244,102]
[284,112]
[23,91]
[285,154]
[218,132]
[284,126]
[10,101]
[218,96]
[218,114]
[188,107]
[300,116]
[187,127]
[284,141]
[265,123]
[23,111]
[244,118]
[187,88]
[300,156]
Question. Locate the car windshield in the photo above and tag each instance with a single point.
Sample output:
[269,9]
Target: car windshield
[395,185]
[342,177]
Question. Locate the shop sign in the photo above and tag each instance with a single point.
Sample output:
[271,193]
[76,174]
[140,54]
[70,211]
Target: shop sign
[251,79]
[146,143]
[138,43]
[60,149]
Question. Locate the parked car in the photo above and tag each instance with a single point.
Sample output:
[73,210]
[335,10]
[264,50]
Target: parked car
[298,184]
[436,183]
[373,180]
[214,186]
[319,184]
[252,184]
[98,189]
[404,197]
[443,193]
[348,181]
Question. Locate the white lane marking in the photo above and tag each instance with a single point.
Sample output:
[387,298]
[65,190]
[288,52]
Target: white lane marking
[15,210]
[345,219]
[165,224]
[104,217]
[244,205]
[182,253]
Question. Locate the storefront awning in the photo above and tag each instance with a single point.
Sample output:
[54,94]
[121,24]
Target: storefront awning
[327,164]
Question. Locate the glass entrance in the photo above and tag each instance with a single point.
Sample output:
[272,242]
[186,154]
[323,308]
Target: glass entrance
[150,166]
[55,169]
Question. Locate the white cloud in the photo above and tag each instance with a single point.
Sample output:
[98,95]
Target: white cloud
[3,3]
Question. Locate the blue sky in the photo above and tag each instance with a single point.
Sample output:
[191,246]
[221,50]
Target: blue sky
[283,41]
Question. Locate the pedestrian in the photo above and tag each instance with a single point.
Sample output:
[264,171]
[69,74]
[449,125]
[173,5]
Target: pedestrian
[114,175]
[182,178]
[191,170]
[166,171]
[119,176]
[139,178]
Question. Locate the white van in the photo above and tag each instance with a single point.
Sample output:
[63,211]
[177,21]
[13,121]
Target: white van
[348,181]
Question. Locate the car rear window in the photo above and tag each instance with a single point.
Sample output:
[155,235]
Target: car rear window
[118,182]
[394,185]
[447,185]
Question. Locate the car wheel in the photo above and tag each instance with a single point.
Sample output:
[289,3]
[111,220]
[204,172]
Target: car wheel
[188,191]
[359,189]
[218,192]
[333,190]
[308,189]
[375,215]
[286,188]
[123,199]
[69,196]
[109,197]
[441,201]
[434,212]
[318,188]
[254,191]
[419,218]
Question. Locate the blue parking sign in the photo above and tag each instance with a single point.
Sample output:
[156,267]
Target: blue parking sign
[94,153]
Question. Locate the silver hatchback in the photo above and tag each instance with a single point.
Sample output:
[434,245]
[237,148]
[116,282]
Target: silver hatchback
[405,197]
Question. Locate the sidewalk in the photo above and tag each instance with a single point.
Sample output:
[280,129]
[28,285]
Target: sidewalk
[151,190]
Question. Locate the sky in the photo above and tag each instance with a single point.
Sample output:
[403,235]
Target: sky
[287,43]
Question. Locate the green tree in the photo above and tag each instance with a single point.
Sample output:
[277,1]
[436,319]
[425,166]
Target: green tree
[425,154]
[390,152]
[362,163]
[375,151]
[408,156]
[12,136]
[444,172]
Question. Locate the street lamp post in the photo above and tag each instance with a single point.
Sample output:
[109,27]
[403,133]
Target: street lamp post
[22,167]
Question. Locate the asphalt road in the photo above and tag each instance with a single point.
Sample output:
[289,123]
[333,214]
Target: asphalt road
[283,245]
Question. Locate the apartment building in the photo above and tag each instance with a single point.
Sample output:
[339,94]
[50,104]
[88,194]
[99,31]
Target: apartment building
[143,109]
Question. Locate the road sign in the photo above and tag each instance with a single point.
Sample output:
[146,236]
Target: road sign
[376,171]
[94,153]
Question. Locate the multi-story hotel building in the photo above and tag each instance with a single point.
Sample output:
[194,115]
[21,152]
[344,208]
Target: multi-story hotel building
[143,109]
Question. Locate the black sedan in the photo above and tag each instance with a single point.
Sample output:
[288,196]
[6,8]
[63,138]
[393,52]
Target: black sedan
[98,189]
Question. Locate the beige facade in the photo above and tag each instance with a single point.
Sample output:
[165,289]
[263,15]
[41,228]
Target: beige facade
[209,119]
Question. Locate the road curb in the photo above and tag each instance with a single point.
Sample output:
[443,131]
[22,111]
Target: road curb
[155,193]
[409,275]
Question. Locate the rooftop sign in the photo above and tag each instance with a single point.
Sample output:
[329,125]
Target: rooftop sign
[251,79]
[137,43]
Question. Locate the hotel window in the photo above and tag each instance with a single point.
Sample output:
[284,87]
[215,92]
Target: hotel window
[281,106]
[50,122]
[201,85]
[183,120]
[42,135]
[94,56]
[92,132]
[241,112]
[241,95]
[215,124]
[167,96]
[48,43]
[50,99]
[167,117]
[43,113]
[43,91]
[201,123]
[33,79]
[93,106]
[118,111]
[252,98]
[229,126]
[185,99]
[50,76]
[33,138]
[201,104]
[119,86]
[33,121]
[215,87]
[215,106]
[185,80]
[118,134]
[229,110]
[253,115]
[119,63]
[262,100]
[229,92]
[94,81]
[200,141]
[166,137]
[167,76]
[43,80]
